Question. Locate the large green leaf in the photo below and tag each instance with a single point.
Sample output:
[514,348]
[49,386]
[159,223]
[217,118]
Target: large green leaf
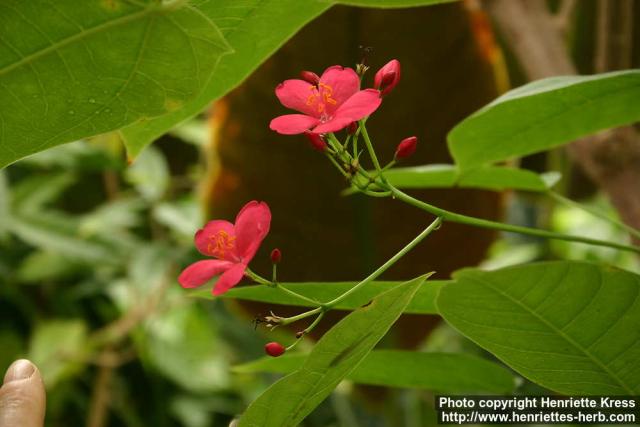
[572,327]
[291,399]
[448,176]
[254,29]
[443,372]
[422,303]
[73,69]
[544,114]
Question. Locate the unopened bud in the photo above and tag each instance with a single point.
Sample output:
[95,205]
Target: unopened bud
[310,76]
[387,77]
[406,148]
[316,141]
[276,256]
[352,128]
[274,349]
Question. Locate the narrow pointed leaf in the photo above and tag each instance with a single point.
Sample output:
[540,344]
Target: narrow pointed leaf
[572,327]
[291,399]
[443,372]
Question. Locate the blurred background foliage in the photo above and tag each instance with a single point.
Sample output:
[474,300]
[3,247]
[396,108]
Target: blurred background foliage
[90,248]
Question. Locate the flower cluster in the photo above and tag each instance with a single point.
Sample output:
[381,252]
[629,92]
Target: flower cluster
[328,103]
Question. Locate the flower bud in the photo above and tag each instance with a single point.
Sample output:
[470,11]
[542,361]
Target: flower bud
[276,256]
[310,76]
[387,77]
[406,148]
[274,349]
[316,141]
[352,128]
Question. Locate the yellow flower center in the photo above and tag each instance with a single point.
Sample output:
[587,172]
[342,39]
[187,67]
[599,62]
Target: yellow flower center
[220,243]
[325,93]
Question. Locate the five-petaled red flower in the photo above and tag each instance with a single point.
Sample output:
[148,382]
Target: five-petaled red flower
[234,246]
[328,106]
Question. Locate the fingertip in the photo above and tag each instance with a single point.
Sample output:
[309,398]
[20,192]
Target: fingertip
[22,396]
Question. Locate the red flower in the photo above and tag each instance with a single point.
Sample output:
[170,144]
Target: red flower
[406,148]
[328,106]
[234,246]
[274,349]
[387,77]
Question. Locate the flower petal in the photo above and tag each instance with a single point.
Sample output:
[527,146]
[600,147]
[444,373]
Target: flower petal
[201,272]
[292,124]
[341,83]
[295,94]
[252,226]
[206,240]
[359,105]
[335,124]
[229,279]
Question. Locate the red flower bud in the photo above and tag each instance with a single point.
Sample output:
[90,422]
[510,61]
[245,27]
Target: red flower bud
[274,349]
[387,77]
[406,148]
[310,76]
[352,128]
[316,141]
[276,256]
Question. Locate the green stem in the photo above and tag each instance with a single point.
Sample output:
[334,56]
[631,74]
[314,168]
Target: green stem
[372,152]
[483,223]
[337,165]
[313,324]
[433,226]
[258,279]
[288,320]
[568,202]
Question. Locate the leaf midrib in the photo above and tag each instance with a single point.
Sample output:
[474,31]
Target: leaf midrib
[551,326]
[78,36]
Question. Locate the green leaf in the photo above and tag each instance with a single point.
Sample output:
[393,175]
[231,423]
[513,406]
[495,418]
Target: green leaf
[339,351]
[85,68]
[56,232]
[254,29]
[544,114]
[422,303]
[149,174]
[442,372]
[57,348]
[389,3]
[569,326]
[496,178]
[5,204]
[41,266]
[195,360]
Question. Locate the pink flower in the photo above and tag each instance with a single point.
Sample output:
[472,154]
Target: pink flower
[387,77]
[328,106]
[234,246]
